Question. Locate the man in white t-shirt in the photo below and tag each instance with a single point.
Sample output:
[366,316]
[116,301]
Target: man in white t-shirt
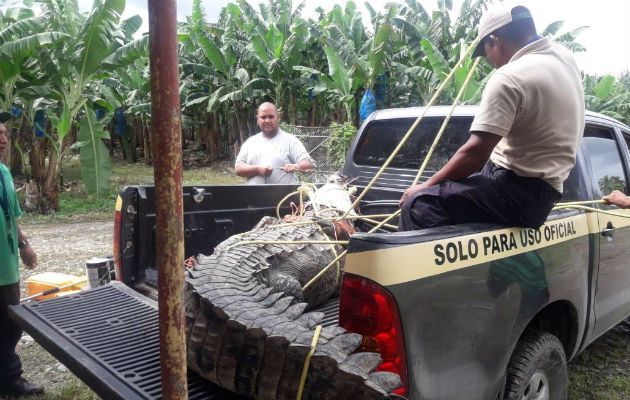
[524,137]
[272,155]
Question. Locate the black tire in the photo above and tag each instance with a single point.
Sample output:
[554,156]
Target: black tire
[537,369]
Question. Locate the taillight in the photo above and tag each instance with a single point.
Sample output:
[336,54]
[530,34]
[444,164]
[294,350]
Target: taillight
[117,232]
[368,309]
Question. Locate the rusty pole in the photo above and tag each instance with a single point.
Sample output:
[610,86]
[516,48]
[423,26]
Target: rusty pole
[169,229]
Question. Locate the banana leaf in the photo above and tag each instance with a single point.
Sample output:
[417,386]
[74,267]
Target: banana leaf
[95,166]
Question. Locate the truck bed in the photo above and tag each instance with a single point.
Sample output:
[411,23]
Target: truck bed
[108,337]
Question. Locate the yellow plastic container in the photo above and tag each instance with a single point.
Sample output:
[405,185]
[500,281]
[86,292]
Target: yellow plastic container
[50,280]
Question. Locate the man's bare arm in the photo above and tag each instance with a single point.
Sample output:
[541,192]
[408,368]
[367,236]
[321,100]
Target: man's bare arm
[618,199]
[247,171]
[27,254]
[303,165]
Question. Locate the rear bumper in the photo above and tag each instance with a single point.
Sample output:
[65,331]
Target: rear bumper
[109,338]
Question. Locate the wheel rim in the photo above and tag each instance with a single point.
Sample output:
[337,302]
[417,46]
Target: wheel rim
[537,388]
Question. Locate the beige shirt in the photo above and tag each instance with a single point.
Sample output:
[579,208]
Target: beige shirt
[536,103]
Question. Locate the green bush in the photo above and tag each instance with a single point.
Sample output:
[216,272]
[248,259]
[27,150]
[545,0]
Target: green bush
[340,139]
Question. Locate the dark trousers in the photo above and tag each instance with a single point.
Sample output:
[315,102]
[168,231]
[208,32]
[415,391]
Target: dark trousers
[10,333]
[494,195]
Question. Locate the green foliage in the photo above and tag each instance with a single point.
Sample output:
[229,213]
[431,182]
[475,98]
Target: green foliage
[339,143]
[609,183]
[315,69]
[606,95]
[95,165]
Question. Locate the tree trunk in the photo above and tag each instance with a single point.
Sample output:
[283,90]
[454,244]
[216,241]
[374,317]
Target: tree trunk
[313,114]
[216,132]
[208,135]
[5,158]
[292,108]
[37,160]
[50,188]
[148,148]
[239,125]
[17,158]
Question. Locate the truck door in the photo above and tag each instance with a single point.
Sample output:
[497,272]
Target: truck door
[609,172]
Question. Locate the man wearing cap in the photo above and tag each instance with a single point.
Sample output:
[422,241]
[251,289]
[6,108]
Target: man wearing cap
[12,243]
[523,139]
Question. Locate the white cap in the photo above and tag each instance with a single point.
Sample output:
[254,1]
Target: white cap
[497,17]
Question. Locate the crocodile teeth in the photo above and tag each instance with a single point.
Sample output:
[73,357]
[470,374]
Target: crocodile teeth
[249,329]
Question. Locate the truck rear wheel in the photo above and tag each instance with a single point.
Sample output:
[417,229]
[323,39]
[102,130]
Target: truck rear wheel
[537,369]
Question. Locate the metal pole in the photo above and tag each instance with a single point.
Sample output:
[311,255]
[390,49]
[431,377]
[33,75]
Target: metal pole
[167,159]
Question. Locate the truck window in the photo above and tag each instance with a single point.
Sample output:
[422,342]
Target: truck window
[600,146]
[379,139]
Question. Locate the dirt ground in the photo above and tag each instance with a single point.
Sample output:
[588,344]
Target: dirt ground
[601,372]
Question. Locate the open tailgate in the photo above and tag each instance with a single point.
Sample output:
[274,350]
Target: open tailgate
[109,338]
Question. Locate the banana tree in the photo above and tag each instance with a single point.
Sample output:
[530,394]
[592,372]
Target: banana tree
[21,40]
[232,84]
[607,96]
[70,66]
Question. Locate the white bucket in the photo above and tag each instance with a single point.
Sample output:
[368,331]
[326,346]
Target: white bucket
[97,271]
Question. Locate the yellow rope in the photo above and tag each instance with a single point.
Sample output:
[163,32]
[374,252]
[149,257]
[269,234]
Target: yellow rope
[446,120]
[302,223]
[412,128]
[302,189]
[371,221]
[307,362]
[594,210]
[323,271]
[580,203]
[289,242]
[282,201]
[332,246]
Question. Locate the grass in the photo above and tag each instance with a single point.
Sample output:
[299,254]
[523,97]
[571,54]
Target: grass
[76,205]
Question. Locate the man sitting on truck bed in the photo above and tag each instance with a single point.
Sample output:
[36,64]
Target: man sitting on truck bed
[529,125]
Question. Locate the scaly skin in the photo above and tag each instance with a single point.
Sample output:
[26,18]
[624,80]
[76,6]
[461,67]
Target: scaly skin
[247,329]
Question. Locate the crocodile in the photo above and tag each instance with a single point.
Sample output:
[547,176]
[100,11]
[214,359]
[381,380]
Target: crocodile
[248,324]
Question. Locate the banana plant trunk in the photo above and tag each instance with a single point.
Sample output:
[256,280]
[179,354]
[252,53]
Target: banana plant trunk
[50,187]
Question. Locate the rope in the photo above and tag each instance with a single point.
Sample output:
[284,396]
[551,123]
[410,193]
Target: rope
[332,246]
[302,223]
[307,362]
[302,189]
[581,203]
[446,120]
[282,201]
[397,149]
[371,221]
[323,271]
[413,127]
[597,210]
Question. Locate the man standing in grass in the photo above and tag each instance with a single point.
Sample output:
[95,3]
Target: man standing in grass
[12,243]
[272,155]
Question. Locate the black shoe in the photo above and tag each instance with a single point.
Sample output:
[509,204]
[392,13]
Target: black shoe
[20,387]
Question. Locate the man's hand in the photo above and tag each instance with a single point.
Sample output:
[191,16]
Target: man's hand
[618,199]
[28,256]
[288,168]
[264,170]
[411,190]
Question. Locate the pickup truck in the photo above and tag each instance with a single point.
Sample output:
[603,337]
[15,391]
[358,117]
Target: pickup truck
[470,311]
